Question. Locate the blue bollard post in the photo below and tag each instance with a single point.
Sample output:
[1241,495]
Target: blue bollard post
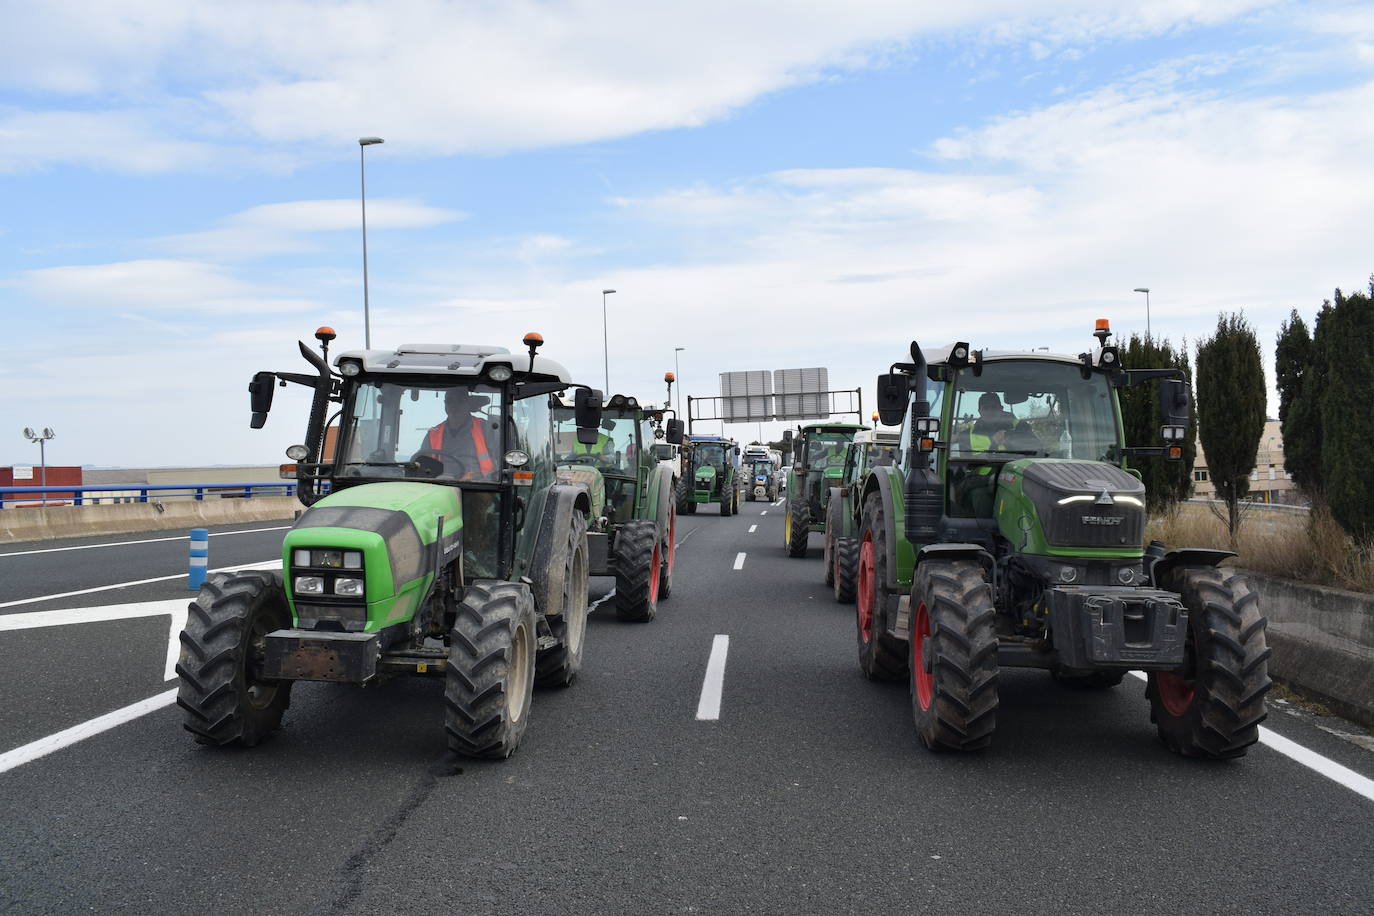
[200,558]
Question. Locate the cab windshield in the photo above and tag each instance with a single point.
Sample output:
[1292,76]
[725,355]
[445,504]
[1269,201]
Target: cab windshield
[422,431]
[825,450]
[763,468]
[614,449]
[876,455]
[712,453]
[1033,408]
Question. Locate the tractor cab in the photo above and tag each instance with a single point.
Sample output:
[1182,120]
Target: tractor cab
[622,454]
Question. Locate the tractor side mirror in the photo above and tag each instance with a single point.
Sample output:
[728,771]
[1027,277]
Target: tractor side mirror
[675,430]
[787,435]
[1173,402]
[893,391]
[587,408]
[260,390]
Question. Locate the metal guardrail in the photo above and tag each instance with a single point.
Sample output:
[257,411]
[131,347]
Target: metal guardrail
[1247,504]
[61,494]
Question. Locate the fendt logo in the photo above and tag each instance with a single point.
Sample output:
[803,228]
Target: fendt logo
[1106,520]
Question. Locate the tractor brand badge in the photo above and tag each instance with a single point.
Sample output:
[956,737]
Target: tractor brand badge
[1105,520]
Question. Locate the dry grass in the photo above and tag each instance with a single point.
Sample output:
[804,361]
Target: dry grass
[1288,545]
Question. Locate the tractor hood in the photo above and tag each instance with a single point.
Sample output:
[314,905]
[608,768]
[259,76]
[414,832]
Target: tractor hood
[1046,505]
[393,527]
[706,472]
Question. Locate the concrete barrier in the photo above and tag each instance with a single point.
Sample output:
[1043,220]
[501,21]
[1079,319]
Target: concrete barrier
[43,523]
[1323,643]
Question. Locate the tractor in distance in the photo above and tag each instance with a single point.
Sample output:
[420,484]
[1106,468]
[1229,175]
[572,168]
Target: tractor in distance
[761,465]
[634,510]
[437,541]
[869,449]
[817,462]
[1018,540]
[712,473]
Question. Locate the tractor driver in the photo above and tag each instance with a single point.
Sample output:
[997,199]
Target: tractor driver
[460,442]
[994,430]
[603,449]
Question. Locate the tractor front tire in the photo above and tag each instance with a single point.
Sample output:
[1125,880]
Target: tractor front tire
[691,508]
[638,558]
[797,527]
[491,669]
[882,657]
[1215,708]
[669,552]
[223,648]
[833,524]
[953,656]
[846,569]
[558,665]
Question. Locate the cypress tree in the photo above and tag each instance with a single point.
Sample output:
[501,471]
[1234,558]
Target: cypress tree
[1347,417]
[1301,366]
[1230,409]
[1166,482]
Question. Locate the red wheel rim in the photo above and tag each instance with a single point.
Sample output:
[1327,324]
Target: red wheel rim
[925,681]
[866,586]
[672,540]
[654,569]
[1175,693]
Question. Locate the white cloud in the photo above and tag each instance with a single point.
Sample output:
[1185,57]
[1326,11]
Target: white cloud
[152,285]
[451,77]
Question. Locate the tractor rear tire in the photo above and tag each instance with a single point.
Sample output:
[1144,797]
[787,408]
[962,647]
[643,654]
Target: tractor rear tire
[725,502]
[882,657]
[638,558]
[797,527]
[846,569]
[491,669]
[1215,710]
[223,647]
[669,551]
[953,656]
[558,665]
[681,492]
[833,524]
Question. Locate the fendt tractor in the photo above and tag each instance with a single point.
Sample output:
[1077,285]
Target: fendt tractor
[713,465]
[1018,539]
[437,542]
[868,450]
[634,511]
[817,462]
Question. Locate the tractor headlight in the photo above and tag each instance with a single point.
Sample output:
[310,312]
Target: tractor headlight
[1126,575]
[516,458]
[309,585]
[328,559]
[1068,574]
[298,453]
[349,587]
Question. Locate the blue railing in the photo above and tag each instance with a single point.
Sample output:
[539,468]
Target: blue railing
[139,493]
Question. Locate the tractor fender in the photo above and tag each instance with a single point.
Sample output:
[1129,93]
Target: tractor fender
[548,561]
[881,481]
[956,552]
[1184,556]
[659,499]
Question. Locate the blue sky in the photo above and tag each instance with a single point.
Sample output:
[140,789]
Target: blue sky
[765,188]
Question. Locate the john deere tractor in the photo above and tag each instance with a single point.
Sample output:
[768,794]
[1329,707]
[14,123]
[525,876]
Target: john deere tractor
[869,449]
[712,473]
[437,542]
[817,462]
[634,511]
[1013,535]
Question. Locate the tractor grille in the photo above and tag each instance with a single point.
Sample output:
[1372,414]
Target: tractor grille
[1087,525]
[1066,495]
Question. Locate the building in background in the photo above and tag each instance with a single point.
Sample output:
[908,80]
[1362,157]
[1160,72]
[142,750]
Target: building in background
[1269,482]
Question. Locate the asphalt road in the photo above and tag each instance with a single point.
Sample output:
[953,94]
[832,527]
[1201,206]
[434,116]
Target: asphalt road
[809,794]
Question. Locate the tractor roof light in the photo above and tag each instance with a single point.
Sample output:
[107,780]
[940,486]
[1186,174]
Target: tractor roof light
[350,367]
[500,372]
[325,334]
[669,377]
[958,354]
[297,452]
[1102,331]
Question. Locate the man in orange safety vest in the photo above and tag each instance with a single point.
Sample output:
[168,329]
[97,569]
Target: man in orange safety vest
[460,442]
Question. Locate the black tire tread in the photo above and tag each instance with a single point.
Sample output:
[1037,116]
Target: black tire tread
[480,664]
[846,568]
[883,657]
[963,641]
[634,567]
[799,511]
[558,666]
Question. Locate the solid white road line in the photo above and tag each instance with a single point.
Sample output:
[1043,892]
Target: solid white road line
[175,608]
[764,512]
[1309,758]
[753,528]
[739,561]
[44,746]
[708,708]
[265,564]
[213,534]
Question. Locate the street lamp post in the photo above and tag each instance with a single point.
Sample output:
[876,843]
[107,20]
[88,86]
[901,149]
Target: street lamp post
[363,143]
[605,349]
[678,372]
[41,439]
[1146,291]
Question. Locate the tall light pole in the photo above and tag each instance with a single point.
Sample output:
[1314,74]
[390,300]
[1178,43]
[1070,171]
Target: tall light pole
[1146,291]
[363,144]
[41,439]
[605,349]
[678,372]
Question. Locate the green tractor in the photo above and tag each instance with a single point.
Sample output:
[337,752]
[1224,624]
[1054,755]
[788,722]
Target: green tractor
[438,541]
[817,462]
[1017,541]
[869,449]
[634,511]
[712,474]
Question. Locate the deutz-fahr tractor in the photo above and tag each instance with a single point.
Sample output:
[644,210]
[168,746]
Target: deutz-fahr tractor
[1018,540]
[711,474]
[869,449]
[634,511]
[817,462]
[437,542]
